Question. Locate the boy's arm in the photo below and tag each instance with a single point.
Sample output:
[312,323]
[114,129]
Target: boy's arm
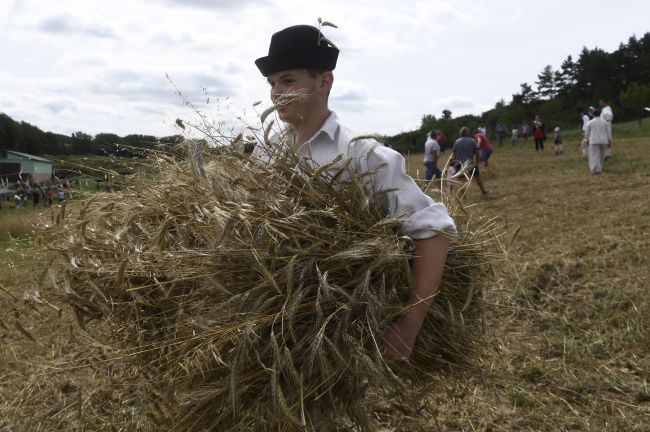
[428,264]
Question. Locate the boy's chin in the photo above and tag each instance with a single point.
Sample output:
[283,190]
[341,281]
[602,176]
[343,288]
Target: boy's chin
[285,116]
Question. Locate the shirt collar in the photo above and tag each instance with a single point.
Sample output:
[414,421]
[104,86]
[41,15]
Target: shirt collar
[328,128]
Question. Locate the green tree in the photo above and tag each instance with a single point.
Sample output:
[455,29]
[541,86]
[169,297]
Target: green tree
[82,143]
[525,96]
[29,139]
[446,114]
[8,133]
[634,99]
[427,120]
[566,77]
[546,83]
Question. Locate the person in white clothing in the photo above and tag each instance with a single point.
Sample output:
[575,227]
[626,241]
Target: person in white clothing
[300,61]
[584,120]
[606,114]
[599,137]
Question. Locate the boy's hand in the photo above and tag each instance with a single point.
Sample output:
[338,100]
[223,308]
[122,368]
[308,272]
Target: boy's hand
[399,338]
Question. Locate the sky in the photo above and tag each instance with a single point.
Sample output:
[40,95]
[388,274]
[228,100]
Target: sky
[118,66]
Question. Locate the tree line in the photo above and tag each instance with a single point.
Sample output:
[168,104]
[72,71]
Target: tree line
[26,138]
[622,77]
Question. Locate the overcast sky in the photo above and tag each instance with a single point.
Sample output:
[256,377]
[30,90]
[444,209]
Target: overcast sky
[101,66]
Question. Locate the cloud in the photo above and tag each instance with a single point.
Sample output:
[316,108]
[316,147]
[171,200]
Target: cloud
[172,38]
[227,5]
[458,105]
[67,24]
[349,96]
[56,106]
[153,87]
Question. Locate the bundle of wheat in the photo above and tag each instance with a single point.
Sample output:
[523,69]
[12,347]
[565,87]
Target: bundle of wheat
[249,297]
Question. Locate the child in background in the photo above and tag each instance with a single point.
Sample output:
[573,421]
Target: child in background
[484,145]
[559,149]
[515,136]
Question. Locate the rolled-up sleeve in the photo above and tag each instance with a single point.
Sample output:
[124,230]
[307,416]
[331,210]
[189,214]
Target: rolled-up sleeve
[422,217]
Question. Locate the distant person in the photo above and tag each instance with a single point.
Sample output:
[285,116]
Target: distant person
[431,155]
[606,114]
[36,194]
[514,136]
[442,141]
[483,129]
[484,146]
[17,199]
[524,131]
[502,131]
[50,195]
[539,133]
[599,137]
[466,153]
[60,195]
[584,121]
[557,140]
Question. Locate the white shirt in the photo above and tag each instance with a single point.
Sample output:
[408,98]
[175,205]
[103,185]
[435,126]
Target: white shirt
[607,114]
[431,147]
[421,216]
[585,121]
[599,131]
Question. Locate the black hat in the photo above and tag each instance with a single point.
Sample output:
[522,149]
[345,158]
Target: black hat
[298,47]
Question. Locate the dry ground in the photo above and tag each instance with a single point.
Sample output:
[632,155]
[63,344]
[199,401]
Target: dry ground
[569,331]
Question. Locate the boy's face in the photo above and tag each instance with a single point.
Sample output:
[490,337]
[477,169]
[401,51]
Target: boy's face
[312,93]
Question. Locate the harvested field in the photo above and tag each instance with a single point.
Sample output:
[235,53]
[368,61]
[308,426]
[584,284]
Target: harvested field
[570,328]
[572,337]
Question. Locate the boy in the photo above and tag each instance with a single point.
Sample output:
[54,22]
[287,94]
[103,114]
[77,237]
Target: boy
[301,61]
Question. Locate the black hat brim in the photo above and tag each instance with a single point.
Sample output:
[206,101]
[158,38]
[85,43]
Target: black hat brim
[320,57]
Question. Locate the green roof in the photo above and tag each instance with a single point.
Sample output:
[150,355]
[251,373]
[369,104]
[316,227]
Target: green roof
[28,156]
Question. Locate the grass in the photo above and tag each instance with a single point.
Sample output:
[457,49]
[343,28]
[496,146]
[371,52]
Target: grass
[570,331]
[572,336]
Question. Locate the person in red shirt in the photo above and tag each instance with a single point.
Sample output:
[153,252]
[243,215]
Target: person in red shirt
[539,133]
[442,141]
[484,145]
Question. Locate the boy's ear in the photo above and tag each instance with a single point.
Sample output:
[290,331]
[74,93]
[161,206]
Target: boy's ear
[326,81]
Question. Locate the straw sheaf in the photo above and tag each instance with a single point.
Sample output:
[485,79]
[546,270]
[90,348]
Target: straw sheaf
[254,297]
